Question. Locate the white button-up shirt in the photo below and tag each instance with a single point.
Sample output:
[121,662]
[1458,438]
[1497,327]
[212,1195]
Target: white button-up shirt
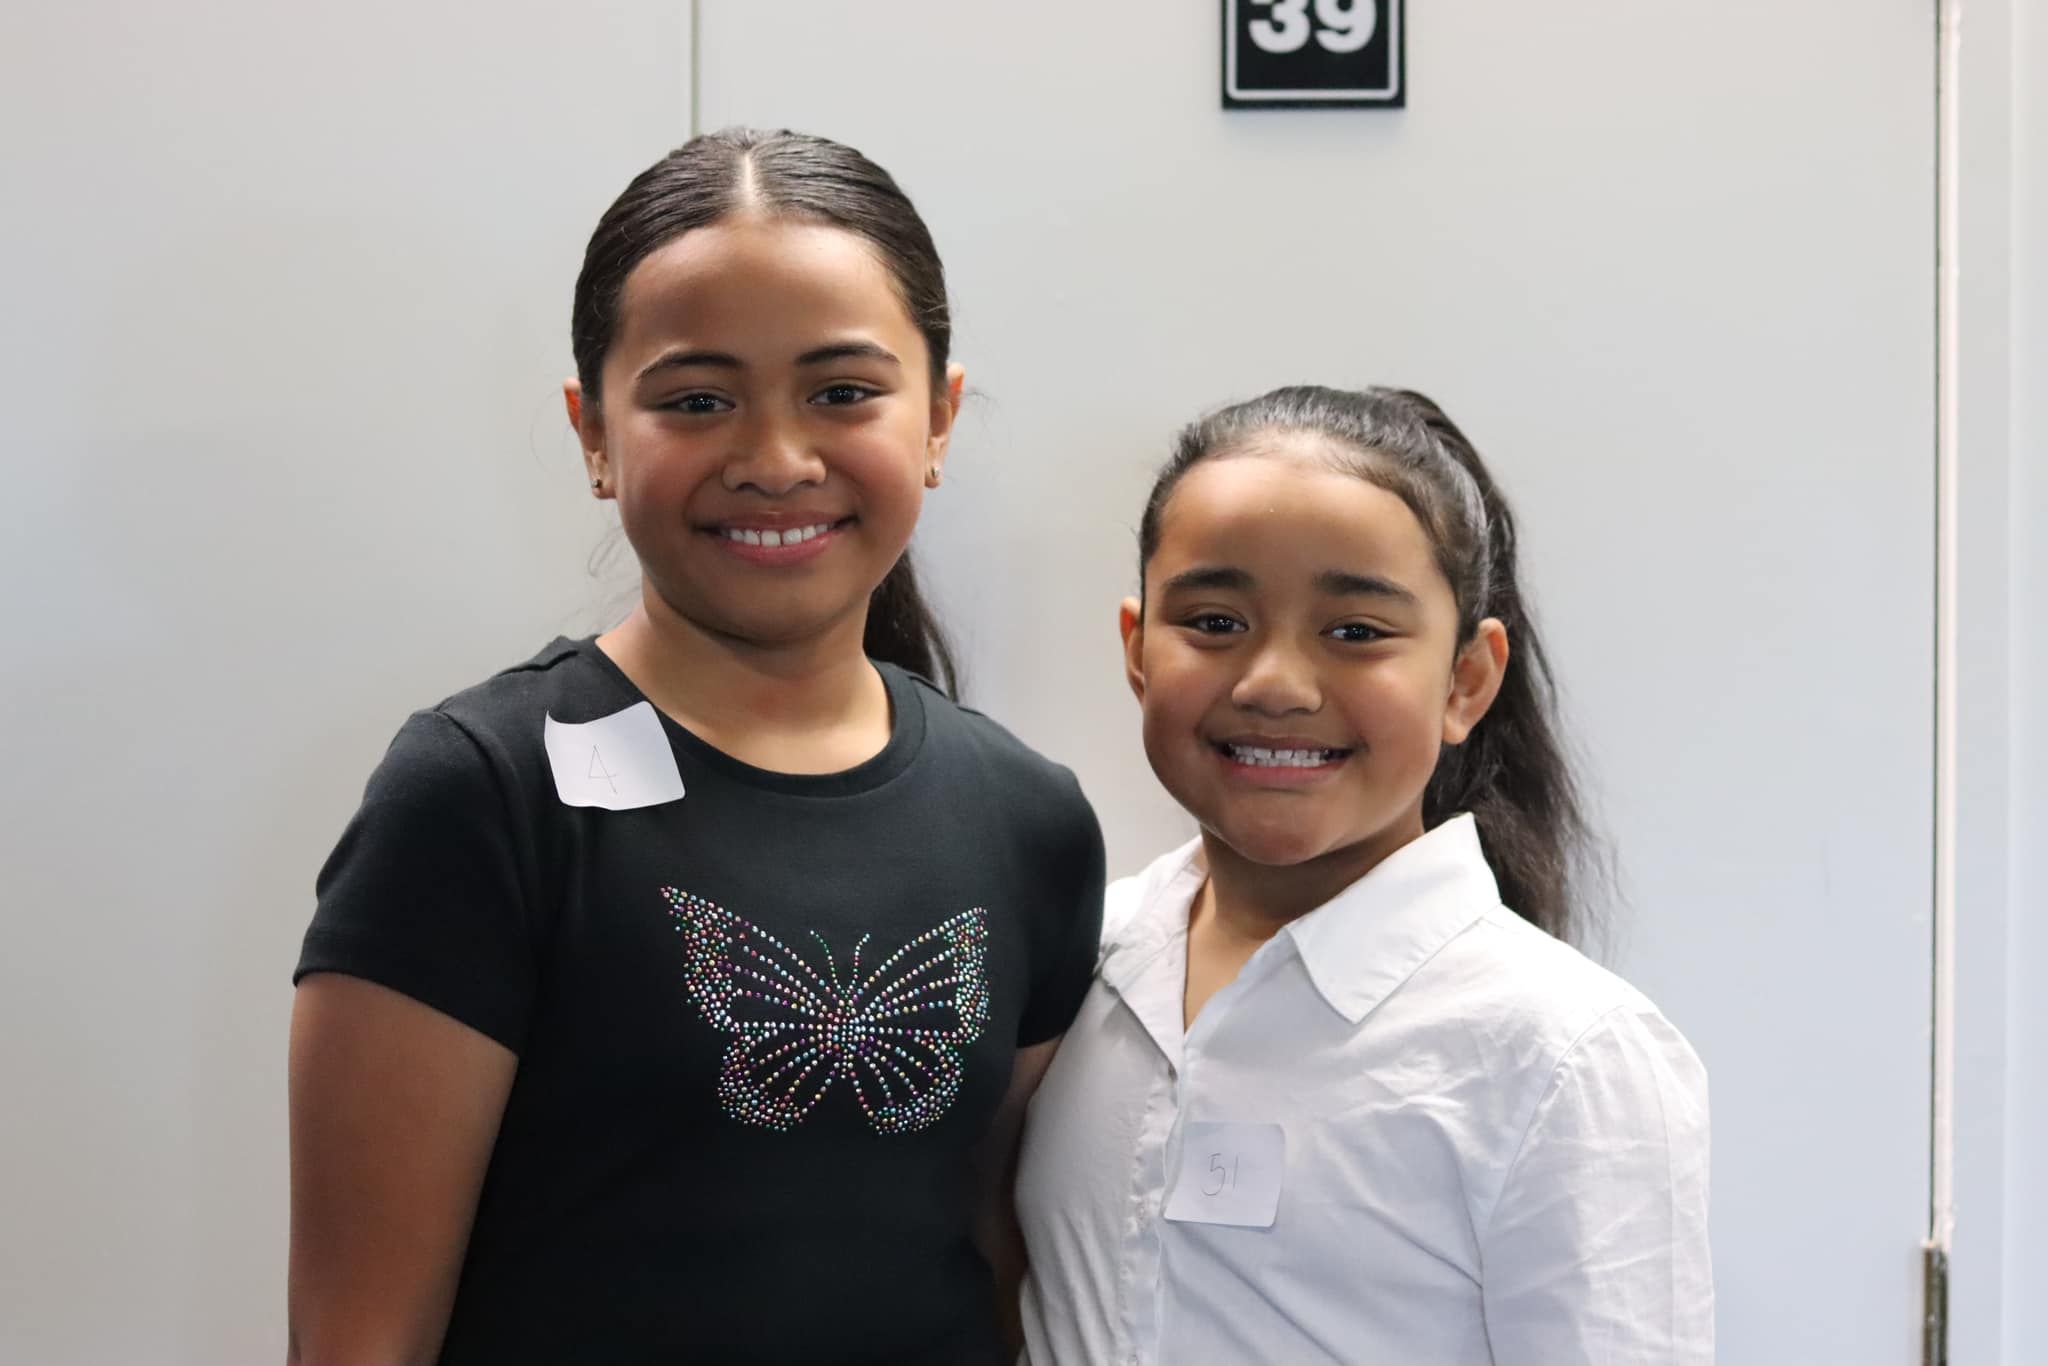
[1495,1150]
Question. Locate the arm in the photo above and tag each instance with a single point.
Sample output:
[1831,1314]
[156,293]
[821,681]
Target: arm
[1596,1251]
[1072,942]
[996,1230]
[394,1110]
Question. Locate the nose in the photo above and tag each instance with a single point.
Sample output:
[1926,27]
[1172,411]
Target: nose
[1279,680]
[772,456]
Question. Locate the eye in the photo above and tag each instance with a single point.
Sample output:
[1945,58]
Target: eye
[1214,624]
[698,404]
[1358,633]
[843,395]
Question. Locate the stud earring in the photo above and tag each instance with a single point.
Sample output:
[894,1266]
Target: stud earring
[597,483]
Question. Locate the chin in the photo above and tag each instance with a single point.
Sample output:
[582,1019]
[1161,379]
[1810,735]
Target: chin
[1268,846]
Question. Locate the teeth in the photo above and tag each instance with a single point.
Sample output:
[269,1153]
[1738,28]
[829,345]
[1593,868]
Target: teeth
[793,536]
[1281,758]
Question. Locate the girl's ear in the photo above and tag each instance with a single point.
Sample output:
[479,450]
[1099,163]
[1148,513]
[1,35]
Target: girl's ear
[1130,620]
[1476,676]
[588,420]
[945,411]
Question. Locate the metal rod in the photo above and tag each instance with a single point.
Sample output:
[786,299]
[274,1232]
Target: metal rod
[1947,466]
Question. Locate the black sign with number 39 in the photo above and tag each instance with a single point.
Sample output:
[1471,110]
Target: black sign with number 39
[1312,54]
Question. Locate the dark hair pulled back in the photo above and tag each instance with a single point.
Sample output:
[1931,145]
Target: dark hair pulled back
[782,175]
[1512,773]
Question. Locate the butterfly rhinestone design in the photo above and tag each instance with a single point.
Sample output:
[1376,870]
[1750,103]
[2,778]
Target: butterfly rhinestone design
[892,1030]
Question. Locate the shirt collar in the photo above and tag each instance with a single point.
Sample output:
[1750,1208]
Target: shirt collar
[1148,913]
[1363,944]
[1358,947]
[1144,945]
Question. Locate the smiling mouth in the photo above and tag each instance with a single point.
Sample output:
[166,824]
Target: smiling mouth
[775,537]
[1255,756]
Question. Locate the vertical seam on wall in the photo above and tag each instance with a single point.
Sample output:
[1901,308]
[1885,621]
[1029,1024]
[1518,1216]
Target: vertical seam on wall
[696,67]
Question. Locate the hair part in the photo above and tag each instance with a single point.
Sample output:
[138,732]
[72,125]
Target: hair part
[1513,772]
[789,175]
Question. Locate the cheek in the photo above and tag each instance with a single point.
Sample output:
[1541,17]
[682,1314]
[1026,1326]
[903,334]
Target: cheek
[1181,688]
[1401,711]
[657,466]
[887,466]
[1173,750]
[889,445]
[653,503]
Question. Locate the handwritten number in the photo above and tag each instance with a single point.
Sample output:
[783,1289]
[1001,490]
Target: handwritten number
[598,770]
[1224,1178]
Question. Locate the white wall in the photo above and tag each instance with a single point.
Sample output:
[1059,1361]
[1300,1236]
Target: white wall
[1672,267]
[1983,700]
[2026,1145]
[287,295]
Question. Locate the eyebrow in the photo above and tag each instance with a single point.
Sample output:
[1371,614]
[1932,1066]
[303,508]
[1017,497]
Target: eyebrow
[1219,576]
[851,350]
[725,360]
[1338,582]
[1342,584]
[678,360]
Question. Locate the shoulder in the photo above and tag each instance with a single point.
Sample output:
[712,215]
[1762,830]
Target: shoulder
[485,741]
[1565,1067]
[561,679]
[504,715]
[1545,1010]
[986,751]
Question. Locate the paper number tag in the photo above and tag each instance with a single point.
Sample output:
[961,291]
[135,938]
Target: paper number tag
[1229,1174]
[617,762]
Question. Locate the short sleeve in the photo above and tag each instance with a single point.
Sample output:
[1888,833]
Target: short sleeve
[1069,932]
[1596,1251]
[423,892]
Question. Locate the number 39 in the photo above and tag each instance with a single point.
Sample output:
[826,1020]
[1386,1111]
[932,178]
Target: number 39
[1340,25]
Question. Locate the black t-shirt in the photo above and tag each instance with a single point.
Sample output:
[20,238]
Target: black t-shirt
[760,1028]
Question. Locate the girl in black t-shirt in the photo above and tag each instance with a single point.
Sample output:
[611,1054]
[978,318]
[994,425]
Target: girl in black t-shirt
[675,995]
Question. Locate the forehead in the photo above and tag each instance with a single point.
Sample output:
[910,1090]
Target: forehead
[748,282]
[1285,515]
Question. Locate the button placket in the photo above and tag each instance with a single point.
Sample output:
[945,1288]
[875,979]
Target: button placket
[1142,1274]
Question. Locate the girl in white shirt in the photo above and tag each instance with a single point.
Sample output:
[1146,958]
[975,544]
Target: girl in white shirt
[1342,1090]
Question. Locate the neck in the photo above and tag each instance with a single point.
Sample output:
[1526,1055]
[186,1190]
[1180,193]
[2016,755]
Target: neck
[817,697]
[1255,901]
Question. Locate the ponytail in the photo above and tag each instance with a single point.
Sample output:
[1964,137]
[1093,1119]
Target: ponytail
[1512,773]
[903,630]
